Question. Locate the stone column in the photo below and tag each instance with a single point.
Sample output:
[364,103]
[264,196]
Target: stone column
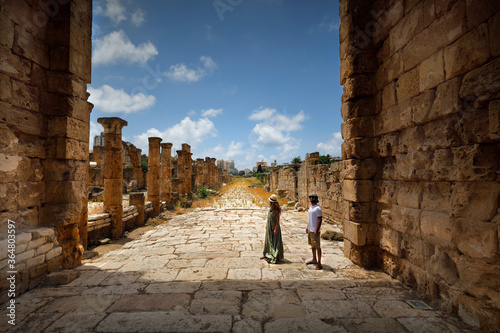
[166,172]
[154,174]
[206,172]
[189,168]
[181,171]
[213,174]
[199,172]
[138,200]
[113,172]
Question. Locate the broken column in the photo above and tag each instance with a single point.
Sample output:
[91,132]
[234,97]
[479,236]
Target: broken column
[113,171]
[199,172]
[166,172]
[137,200]
[154,174]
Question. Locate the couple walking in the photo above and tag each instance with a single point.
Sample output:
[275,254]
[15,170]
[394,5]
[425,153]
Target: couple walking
[273,244]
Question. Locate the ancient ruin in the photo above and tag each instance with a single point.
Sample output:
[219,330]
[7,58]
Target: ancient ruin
[417,190]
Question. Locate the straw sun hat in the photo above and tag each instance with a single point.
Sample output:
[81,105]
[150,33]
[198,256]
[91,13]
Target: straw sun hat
[273,198]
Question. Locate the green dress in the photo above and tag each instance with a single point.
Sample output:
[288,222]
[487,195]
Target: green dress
[273,245]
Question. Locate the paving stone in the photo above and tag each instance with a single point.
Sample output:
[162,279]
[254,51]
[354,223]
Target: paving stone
[150,302]
[320,294]
[76,322]
[173,287]
[430,325]
[375,325]
[34,323]
[174,321]
[216,302]
[375,293]
[185,263]
[247,326]
[118,278]
[119,289]
[239,285]
[198,274]
[89,278]
[311,325]
[327,309]
[158,275]
[278,303]
[244,274]
[398,309]
[88,303]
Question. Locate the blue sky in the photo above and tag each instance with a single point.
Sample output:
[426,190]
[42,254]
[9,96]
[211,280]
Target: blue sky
[242,80]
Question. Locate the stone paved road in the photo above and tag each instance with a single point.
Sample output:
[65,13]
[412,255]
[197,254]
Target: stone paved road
[201,272]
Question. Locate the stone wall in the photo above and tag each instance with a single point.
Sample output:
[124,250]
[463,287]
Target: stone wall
[44,124]
[421,152]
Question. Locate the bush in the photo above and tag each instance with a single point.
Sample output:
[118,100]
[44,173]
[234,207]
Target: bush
[203,192]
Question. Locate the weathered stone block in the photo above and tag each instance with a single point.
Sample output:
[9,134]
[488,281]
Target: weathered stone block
[442,265]
[385,192]
[359,233]
[385,18]
[6,92]
[494,30]
[67,127]
[54,252]
[359,169]
[65,191]
[475,163]
[390,241]
[436,228]
[409,194]
[25,96]
[358,127]
[43,248]
[63,148]
[55,264]
[23,238]
[360,86]
[412,248]
[446,101]
[389,96]
[34,49]
[9,195]
[440,133]
[359,148]
[475,238]
[468,52]
[363,212]
[35,243]
[63,277]
[113,191]
[21,257]
[481,84]
[431,71]
[357,190]
[359,108]
[479,11]
[402,219]
[38,271]
[436,196]
[410,25]
[408,85]
[391,69]
[475,200]
[31,194]
[494,120]
[21,120]
[14,66]
[440,33]
[421,106]
[65,170]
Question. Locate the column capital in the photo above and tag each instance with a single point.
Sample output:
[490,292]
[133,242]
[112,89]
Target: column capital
[112,123]
[166,145]
[154,142]
[186,147]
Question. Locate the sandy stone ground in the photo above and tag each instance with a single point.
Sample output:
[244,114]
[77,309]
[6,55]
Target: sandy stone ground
[201,272]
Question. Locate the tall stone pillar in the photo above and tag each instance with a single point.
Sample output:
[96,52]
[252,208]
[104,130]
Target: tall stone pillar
[189,168]
[137,199]
[166,172]
[154,174]
[199,172]
[181,171]
[213,174]
[206,172]
[113,171]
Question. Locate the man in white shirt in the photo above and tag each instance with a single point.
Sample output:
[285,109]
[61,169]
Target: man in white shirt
[313,231]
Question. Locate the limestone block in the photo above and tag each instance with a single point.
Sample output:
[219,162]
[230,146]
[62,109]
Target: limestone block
[385,192]
[412,249]
[494,120]
[436,228]
[358,127]
[447,100]
[21,257]
[363,212]
[402,219]
[436,196]
[478,12]
[390,69]
[475,200]
[389,96]
[64,148]
[475,163]
[410,139]
[360,86]
[35,243]
[475,238]
[481,84]
[359,108]
[359,148]
[385,19]
[67,127]
[20,120]
[37,271]
[43,248]
[441,264]
[409,194]
[360,233]
[431,71]
[31,48]
[65,191]
[410,25]
[390,241]
[355,63]
[113,191]
[6,92]
[408,85]
[25,96]
[30,170]
[31,194]
[421,106]
[65,170]
[494,30]
[13,65]
[468,52]
[440,33]
[357,190]
[9,195]
[35,261]
[54,252]
[387,145]
[358,169]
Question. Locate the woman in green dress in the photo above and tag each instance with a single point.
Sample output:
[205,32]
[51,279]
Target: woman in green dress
[273,245]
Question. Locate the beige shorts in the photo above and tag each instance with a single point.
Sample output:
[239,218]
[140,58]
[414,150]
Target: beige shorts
[314,241]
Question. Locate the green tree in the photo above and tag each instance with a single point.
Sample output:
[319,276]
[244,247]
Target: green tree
[325,159]
[241,173]
[144,162]
[259,169]
[296,160]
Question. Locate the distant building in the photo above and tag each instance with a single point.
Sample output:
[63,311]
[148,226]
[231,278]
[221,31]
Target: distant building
[227,165]
[99,140]
[248,172]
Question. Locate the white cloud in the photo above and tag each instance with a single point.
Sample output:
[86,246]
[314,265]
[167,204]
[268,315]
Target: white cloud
[210,34]
[108,99]
[116,47]
[262,114]
[181,72]
[187,131]
[138,17]
[269,136]
[114,10]
[332,146]
[283,123]
[211,112]
[226,153]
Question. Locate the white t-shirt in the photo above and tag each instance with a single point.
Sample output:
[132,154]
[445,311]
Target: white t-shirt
[314,213]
